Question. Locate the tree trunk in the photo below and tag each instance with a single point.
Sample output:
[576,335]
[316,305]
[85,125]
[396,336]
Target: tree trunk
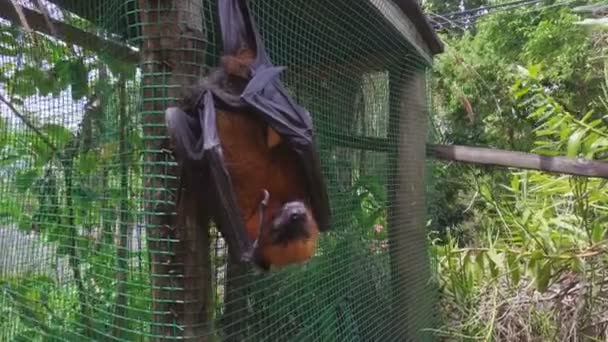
[173,58]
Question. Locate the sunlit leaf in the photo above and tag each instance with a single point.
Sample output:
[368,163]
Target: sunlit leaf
[88,162]
[574,143]
[536,256]
[479,260]
[535,70]
[578,264]
[515,183]
[599,232]
[57,134]
[513,268]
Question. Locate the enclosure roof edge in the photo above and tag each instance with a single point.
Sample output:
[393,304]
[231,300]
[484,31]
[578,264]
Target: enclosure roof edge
[414,12]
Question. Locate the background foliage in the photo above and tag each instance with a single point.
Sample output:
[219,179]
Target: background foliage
[522,254]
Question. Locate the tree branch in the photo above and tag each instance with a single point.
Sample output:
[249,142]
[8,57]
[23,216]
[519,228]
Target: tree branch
[17,7]
[39,22]
[30,125]
[47,18]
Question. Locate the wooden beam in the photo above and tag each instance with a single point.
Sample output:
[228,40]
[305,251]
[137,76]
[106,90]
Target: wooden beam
[412,9]
[521,160]
[68,33]
[483,156]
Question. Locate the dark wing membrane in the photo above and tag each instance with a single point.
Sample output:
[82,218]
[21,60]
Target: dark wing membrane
[185,133]
[237,27]
[197,144]
[227,213]
[316,183]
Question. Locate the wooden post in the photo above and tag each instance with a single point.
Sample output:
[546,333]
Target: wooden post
[173,44]
[410,273]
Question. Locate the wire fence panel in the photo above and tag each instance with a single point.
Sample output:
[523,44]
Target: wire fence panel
[90,246]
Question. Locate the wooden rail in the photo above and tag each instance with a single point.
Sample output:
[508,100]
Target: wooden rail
[521,160]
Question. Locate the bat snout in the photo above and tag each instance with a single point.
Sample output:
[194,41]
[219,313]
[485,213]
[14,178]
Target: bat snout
[292,213]
[297,216]
[291,222]
[296,212]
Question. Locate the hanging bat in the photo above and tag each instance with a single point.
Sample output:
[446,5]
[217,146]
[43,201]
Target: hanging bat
[254,145]
[270,189]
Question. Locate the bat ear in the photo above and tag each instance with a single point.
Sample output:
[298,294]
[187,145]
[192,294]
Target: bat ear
[272,138]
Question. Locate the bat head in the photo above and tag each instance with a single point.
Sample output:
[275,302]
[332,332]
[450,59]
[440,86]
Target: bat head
[289,237]
[293,221]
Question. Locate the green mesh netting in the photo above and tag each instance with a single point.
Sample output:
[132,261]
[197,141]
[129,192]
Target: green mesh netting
[87,248]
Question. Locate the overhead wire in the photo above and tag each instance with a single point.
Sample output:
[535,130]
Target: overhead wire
[463,23]
[453,17]
[489,7]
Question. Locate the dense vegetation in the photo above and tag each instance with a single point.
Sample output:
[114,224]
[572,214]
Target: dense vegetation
[522,254]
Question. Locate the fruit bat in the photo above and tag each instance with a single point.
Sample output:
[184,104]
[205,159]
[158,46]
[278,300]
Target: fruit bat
[241,135]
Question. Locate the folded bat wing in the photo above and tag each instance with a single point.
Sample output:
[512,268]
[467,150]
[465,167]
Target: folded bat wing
[265,95]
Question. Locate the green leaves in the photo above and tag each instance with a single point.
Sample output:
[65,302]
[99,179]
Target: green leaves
[118,67]
[25,179]
[558,131]
[8,41]
[574,143]
[534,80]
[74,73]
[58,134]
[598,232]
[31,78]
[543,275]
[88,162]
[514,269]
[79,79]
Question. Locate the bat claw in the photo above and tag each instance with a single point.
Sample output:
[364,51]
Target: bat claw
[264,202]
[248,255]
[263,205]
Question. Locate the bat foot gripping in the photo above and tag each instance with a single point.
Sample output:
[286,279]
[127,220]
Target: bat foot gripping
[248,255]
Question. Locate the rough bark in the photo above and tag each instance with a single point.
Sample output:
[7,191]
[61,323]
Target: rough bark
[172,59]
